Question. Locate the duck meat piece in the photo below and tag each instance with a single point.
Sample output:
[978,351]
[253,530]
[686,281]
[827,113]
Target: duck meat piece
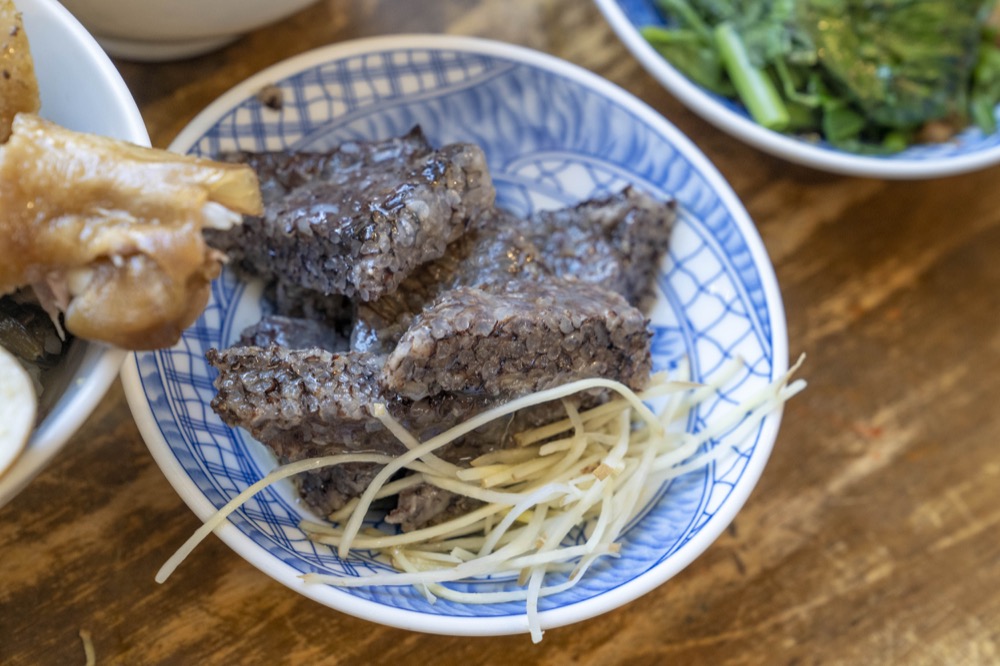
[358,220]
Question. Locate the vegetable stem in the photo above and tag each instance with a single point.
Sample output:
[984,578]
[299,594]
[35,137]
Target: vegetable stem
[754,86]
[686,16]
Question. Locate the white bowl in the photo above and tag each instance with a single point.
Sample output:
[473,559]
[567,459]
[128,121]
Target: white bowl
[553,134]
[81,90]
[966,152]
[154,30]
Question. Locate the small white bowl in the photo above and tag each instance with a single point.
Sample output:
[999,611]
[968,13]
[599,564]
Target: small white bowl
[153,30]
[968,151]
[81,90]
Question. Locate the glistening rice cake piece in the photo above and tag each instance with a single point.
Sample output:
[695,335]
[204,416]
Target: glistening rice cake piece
[614,241]
[356,221]
[532,335]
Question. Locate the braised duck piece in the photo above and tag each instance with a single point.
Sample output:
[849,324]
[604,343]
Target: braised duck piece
[110,233]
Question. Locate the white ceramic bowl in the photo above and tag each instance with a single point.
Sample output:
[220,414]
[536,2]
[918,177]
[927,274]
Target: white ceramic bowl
[968,151]
[553,134]
[81,90]
[168,29]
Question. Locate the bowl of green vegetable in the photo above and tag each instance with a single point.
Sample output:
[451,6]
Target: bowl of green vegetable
[889,89]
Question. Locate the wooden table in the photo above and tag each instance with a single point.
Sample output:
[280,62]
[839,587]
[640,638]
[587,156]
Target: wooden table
[871,538]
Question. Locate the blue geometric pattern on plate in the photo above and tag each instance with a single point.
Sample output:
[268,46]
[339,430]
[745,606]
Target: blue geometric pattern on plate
[973,140]
[543,152]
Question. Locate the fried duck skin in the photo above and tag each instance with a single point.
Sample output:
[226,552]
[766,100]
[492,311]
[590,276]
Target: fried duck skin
[110,233]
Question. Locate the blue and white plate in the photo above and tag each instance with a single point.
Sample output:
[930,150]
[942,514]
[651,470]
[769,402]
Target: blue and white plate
[553,134]
[970,150]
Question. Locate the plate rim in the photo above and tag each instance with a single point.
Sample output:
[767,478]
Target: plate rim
[781,145]
[453,625]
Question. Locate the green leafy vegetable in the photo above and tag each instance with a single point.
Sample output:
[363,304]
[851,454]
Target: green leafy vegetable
[865,75]
[986,85]
[753,84]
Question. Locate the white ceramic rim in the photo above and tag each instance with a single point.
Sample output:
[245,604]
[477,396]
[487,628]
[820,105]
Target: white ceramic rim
[474,626]
[65,418]
[776,143]
[150,51]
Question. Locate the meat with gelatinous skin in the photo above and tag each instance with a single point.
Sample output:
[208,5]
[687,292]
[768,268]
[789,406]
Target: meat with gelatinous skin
[110,233]
[358,220]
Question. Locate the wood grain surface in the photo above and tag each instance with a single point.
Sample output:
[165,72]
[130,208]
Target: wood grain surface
[870,539]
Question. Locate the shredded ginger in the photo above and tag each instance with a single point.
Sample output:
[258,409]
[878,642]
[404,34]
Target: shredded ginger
[589,469]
